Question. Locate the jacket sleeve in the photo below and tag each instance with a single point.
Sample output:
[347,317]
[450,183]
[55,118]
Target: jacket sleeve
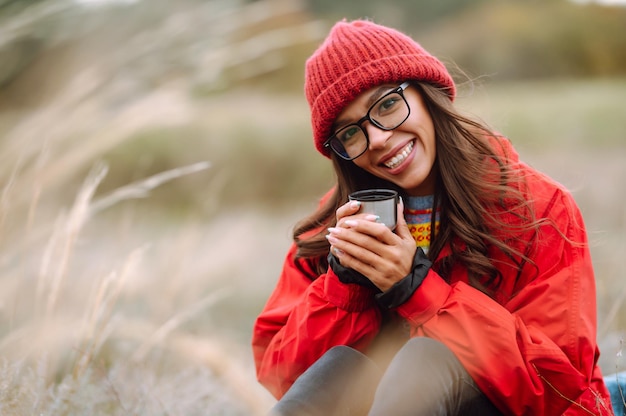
[303,318]
[535,353]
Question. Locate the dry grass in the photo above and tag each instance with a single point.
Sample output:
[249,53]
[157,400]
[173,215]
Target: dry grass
[103,311]
[76,340]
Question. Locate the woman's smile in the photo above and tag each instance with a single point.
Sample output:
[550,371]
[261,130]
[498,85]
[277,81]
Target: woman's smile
[400,157]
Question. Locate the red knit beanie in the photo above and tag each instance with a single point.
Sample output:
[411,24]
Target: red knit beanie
[357,56]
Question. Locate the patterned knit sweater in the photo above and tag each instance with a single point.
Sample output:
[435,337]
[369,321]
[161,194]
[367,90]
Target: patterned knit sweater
[418,212]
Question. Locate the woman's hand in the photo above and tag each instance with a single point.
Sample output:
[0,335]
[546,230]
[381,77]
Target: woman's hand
[370,248]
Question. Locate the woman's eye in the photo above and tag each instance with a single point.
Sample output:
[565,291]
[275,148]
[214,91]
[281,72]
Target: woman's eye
[387,104]
[347,134]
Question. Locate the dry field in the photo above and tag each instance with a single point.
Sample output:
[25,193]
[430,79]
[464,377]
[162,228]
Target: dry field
[138,242]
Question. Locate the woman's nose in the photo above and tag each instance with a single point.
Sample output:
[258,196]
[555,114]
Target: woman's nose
[377,136]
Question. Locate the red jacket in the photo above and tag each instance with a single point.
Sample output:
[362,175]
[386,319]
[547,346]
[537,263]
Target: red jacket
[531,348]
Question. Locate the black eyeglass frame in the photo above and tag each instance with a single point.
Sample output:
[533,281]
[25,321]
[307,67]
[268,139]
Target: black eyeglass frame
[398,90]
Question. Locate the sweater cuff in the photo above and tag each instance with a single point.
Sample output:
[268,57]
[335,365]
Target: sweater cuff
[350,297]
[403,289]
[347,275]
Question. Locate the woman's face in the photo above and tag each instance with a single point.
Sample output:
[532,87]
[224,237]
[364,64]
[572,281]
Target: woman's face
[404,156]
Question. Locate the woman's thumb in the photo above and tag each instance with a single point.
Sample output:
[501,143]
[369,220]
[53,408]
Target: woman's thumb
[402,229]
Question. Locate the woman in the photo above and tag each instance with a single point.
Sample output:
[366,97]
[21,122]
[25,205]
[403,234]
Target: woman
[483,298]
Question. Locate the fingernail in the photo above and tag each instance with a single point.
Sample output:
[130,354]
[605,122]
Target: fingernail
[372,217]
[337,252]
[331,239]
[334,230]
[351,223]
[355,204]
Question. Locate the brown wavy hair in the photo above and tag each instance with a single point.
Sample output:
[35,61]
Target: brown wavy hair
[477,189]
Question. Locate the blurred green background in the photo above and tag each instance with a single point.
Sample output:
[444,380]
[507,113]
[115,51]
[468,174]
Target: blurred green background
[148,86]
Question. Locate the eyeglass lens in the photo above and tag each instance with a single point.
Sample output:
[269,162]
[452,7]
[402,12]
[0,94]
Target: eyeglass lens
[387,113]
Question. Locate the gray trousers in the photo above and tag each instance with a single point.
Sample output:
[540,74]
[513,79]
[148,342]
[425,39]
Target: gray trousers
[423,378]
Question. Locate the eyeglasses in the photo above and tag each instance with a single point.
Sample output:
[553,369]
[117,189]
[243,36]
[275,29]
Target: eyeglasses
[387,113]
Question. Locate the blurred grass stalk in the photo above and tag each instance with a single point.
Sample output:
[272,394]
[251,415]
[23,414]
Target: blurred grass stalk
[41,324]
[46,332]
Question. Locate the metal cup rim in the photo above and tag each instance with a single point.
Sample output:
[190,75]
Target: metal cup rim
[373,195]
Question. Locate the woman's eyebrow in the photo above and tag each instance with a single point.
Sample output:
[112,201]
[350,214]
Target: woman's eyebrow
[380,91]
[375,95]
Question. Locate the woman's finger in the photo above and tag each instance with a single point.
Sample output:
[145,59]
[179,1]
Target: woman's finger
[347,209]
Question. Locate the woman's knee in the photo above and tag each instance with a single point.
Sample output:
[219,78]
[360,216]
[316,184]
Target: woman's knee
[428,352]
[337,381]
[433,382]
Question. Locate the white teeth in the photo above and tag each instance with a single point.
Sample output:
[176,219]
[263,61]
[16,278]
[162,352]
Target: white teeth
[399,158]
